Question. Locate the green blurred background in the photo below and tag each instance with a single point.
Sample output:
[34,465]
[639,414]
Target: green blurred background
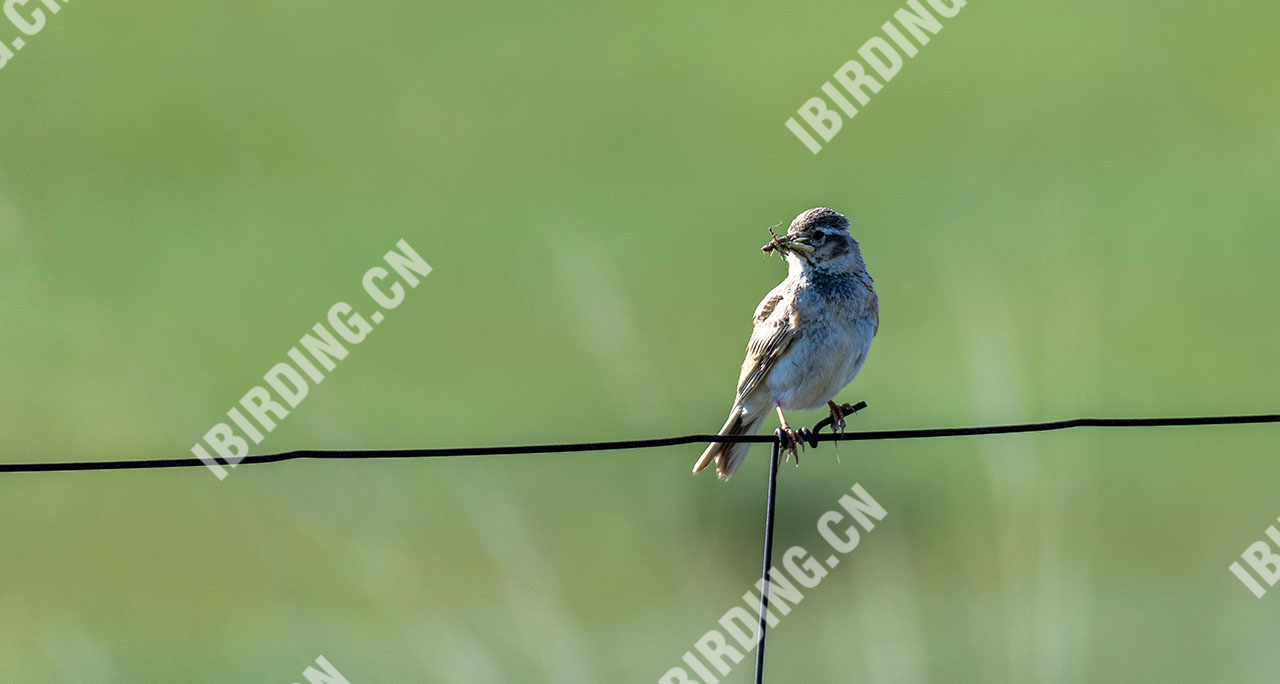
[1069,210]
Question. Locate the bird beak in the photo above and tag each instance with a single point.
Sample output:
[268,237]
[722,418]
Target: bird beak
[787,243]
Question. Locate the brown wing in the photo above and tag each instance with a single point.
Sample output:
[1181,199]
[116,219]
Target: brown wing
[775,331]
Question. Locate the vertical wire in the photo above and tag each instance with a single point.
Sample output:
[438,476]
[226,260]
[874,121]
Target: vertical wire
[768,557]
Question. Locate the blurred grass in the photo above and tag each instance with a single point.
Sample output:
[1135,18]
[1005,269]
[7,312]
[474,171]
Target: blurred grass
[1069,210]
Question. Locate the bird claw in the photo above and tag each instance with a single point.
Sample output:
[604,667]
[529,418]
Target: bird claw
[791,440]
[838,413]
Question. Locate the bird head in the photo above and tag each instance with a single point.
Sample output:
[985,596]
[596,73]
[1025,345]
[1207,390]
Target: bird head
[818,238]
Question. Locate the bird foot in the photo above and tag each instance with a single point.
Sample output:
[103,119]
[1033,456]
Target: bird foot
[838,413]
[792,440]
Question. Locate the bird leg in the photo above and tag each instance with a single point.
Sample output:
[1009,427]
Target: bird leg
[836,420]
[838,414]
[792,439]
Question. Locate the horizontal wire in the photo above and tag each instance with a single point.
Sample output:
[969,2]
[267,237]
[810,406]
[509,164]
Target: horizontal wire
[866,436]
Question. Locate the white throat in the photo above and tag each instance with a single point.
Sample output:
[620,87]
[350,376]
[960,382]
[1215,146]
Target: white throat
[797,266]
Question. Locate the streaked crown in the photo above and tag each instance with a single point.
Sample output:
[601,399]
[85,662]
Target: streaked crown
[817,218]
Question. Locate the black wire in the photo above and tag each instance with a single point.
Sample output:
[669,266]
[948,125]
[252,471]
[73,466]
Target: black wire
[872,435]
[770,505]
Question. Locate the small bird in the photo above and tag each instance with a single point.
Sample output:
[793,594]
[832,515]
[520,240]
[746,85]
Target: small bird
[811,336]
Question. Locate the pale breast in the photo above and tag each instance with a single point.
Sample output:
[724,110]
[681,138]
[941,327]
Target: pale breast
[839,322]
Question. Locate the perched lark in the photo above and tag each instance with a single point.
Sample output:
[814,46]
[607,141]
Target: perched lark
[811,336]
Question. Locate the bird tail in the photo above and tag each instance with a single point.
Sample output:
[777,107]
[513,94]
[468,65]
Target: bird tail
[728,457]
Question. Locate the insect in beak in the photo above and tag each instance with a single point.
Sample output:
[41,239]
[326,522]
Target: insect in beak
[783,243]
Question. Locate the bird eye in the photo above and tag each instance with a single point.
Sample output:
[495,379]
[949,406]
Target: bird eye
[818,238]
